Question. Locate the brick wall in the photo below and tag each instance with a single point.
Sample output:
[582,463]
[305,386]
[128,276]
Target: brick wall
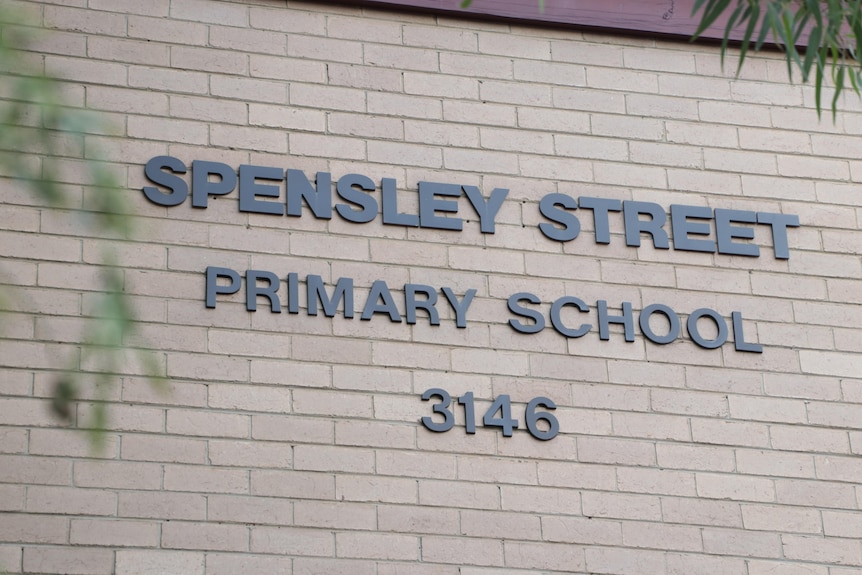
[291,443]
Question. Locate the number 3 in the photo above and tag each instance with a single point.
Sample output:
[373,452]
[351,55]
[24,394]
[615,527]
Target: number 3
[442,407]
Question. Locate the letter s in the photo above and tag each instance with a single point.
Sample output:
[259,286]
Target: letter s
[179,188]
[515,307]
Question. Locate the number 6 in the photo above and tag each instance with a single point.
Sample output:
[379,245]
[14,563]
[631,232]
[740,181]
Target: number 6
[533,418]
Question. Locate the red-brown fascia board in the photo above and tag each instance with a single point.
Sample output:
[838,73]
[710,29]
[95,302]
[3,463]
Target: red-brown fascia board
[669,18]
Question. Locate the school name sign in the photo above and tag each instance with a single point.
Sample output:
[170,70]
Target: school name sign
[359,199]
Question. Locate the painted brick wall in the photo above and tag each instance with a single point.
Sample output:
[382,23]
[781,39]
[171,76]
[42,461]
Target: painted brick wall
[292,443]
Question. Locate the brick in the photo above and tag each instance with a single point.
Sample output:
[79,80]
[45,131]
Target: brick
[822,550]
[477,496]
[729,433]
[420,465]
[296,484]
[659,481]
[701,512]
[405,58]
[248,397]
[287,20]
[606,450]
[70,501]
[211,368]
[680,564]
[783,568]
[12,497]
[500,525]
[621,506]
[171,130]
[735,487]
[227,564]
[462,551]
[328,49]
[335,515]
[207,423]
[309,566]
[114,533]
[161,505]
[206,536]
[159,562]
[814,493]
[200,479]
[35,470]
[741,543]
[624,561]
[292,428]
[208,109]
[776,463]
[793,438]
[385,546]
[88,21]
[477,65]
[513,93]
[658,536]
[780,518]
[651,426]
[10,558]
[249,510]
[695,457]
[30,528]
[222,13]
[325,458]
[72,561]
[841,524]
[408,519]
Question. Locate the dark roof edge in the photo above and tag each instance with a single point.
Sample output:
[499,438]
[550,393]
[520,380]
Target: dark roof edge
[671,19]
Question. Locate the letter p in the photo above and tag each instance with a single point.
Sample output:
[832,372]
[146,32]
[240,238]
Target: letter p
[213,287]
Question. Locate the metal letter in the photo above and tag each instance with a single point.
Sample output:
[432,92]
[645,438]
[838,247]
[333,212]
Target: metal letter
[739,336]
[430,204]
[635,226]
[318,198]
[347,188]
[212,287]
[412,304]
[516,308]
[202,187]
[779,223]
[390,206]
[726,232]
[179,188]
[691,324]
[601,207]
[487,210]
[672,318]
[626,320]
[679,215]
[249,188]
[459,307]
[270,291]
[548,208]
[557,321]
[343,291]
[380,291]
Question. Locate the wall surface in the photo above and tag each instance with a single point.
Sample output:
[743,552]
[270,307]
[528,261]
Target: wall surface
[292,443]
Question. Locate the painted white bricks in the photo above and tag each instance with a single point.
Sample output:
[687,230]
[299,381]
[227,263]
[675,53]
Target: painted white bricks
[288,443]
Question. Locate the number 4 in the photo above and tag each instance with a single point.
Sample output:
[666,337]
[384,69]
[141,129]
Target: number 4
[504,405]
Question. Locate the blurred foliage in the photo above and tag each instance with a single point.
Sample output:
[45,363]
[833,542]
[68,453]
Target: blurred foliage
[34,116]
[834,28]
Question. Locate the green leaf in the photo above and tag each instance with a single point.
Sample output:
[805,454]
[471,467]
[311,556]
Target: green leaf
[839,84]
[713,10]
